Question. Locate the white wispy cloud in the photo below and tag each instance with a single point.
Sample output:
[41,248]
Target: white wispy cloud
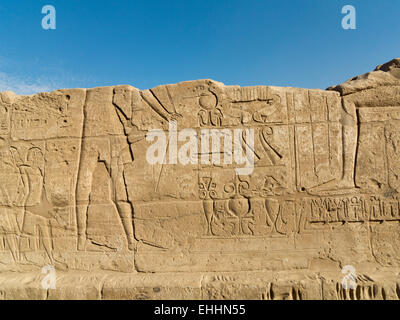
[26,86]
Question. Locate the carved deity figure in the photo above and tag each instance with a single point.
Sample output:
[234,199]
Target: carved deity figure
[10,196]
[38,210]
[380,88]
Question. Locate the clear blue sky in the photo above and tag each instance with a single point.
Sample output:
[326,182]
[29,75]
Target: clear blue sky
[146,43]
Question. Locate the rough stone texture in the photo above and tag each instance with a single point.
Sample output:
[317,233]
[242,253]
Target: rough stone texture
[78,193]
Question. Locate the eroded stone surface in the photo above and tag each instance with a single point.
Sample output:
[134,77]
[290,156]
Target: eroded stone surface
[78,191]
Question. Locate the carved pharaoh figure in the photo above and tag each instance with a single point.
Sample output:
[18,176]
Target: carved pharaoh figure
[104,140]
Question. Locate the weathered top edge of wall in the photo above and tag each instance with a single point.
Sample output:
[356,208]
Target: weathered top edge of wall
[387,74]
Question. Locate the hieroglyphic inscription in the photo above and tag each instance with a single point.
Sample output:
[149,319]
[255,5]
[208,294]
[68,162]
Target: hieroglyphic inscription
[354,209]
[76,177]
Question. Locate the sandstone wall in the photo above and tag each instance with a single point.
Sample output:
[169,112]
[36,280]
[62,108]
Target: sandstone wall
[78,193]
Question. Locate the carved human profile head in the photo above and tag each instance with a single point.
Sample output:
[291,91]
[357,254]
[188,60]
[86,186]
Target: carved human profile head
[35,158]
